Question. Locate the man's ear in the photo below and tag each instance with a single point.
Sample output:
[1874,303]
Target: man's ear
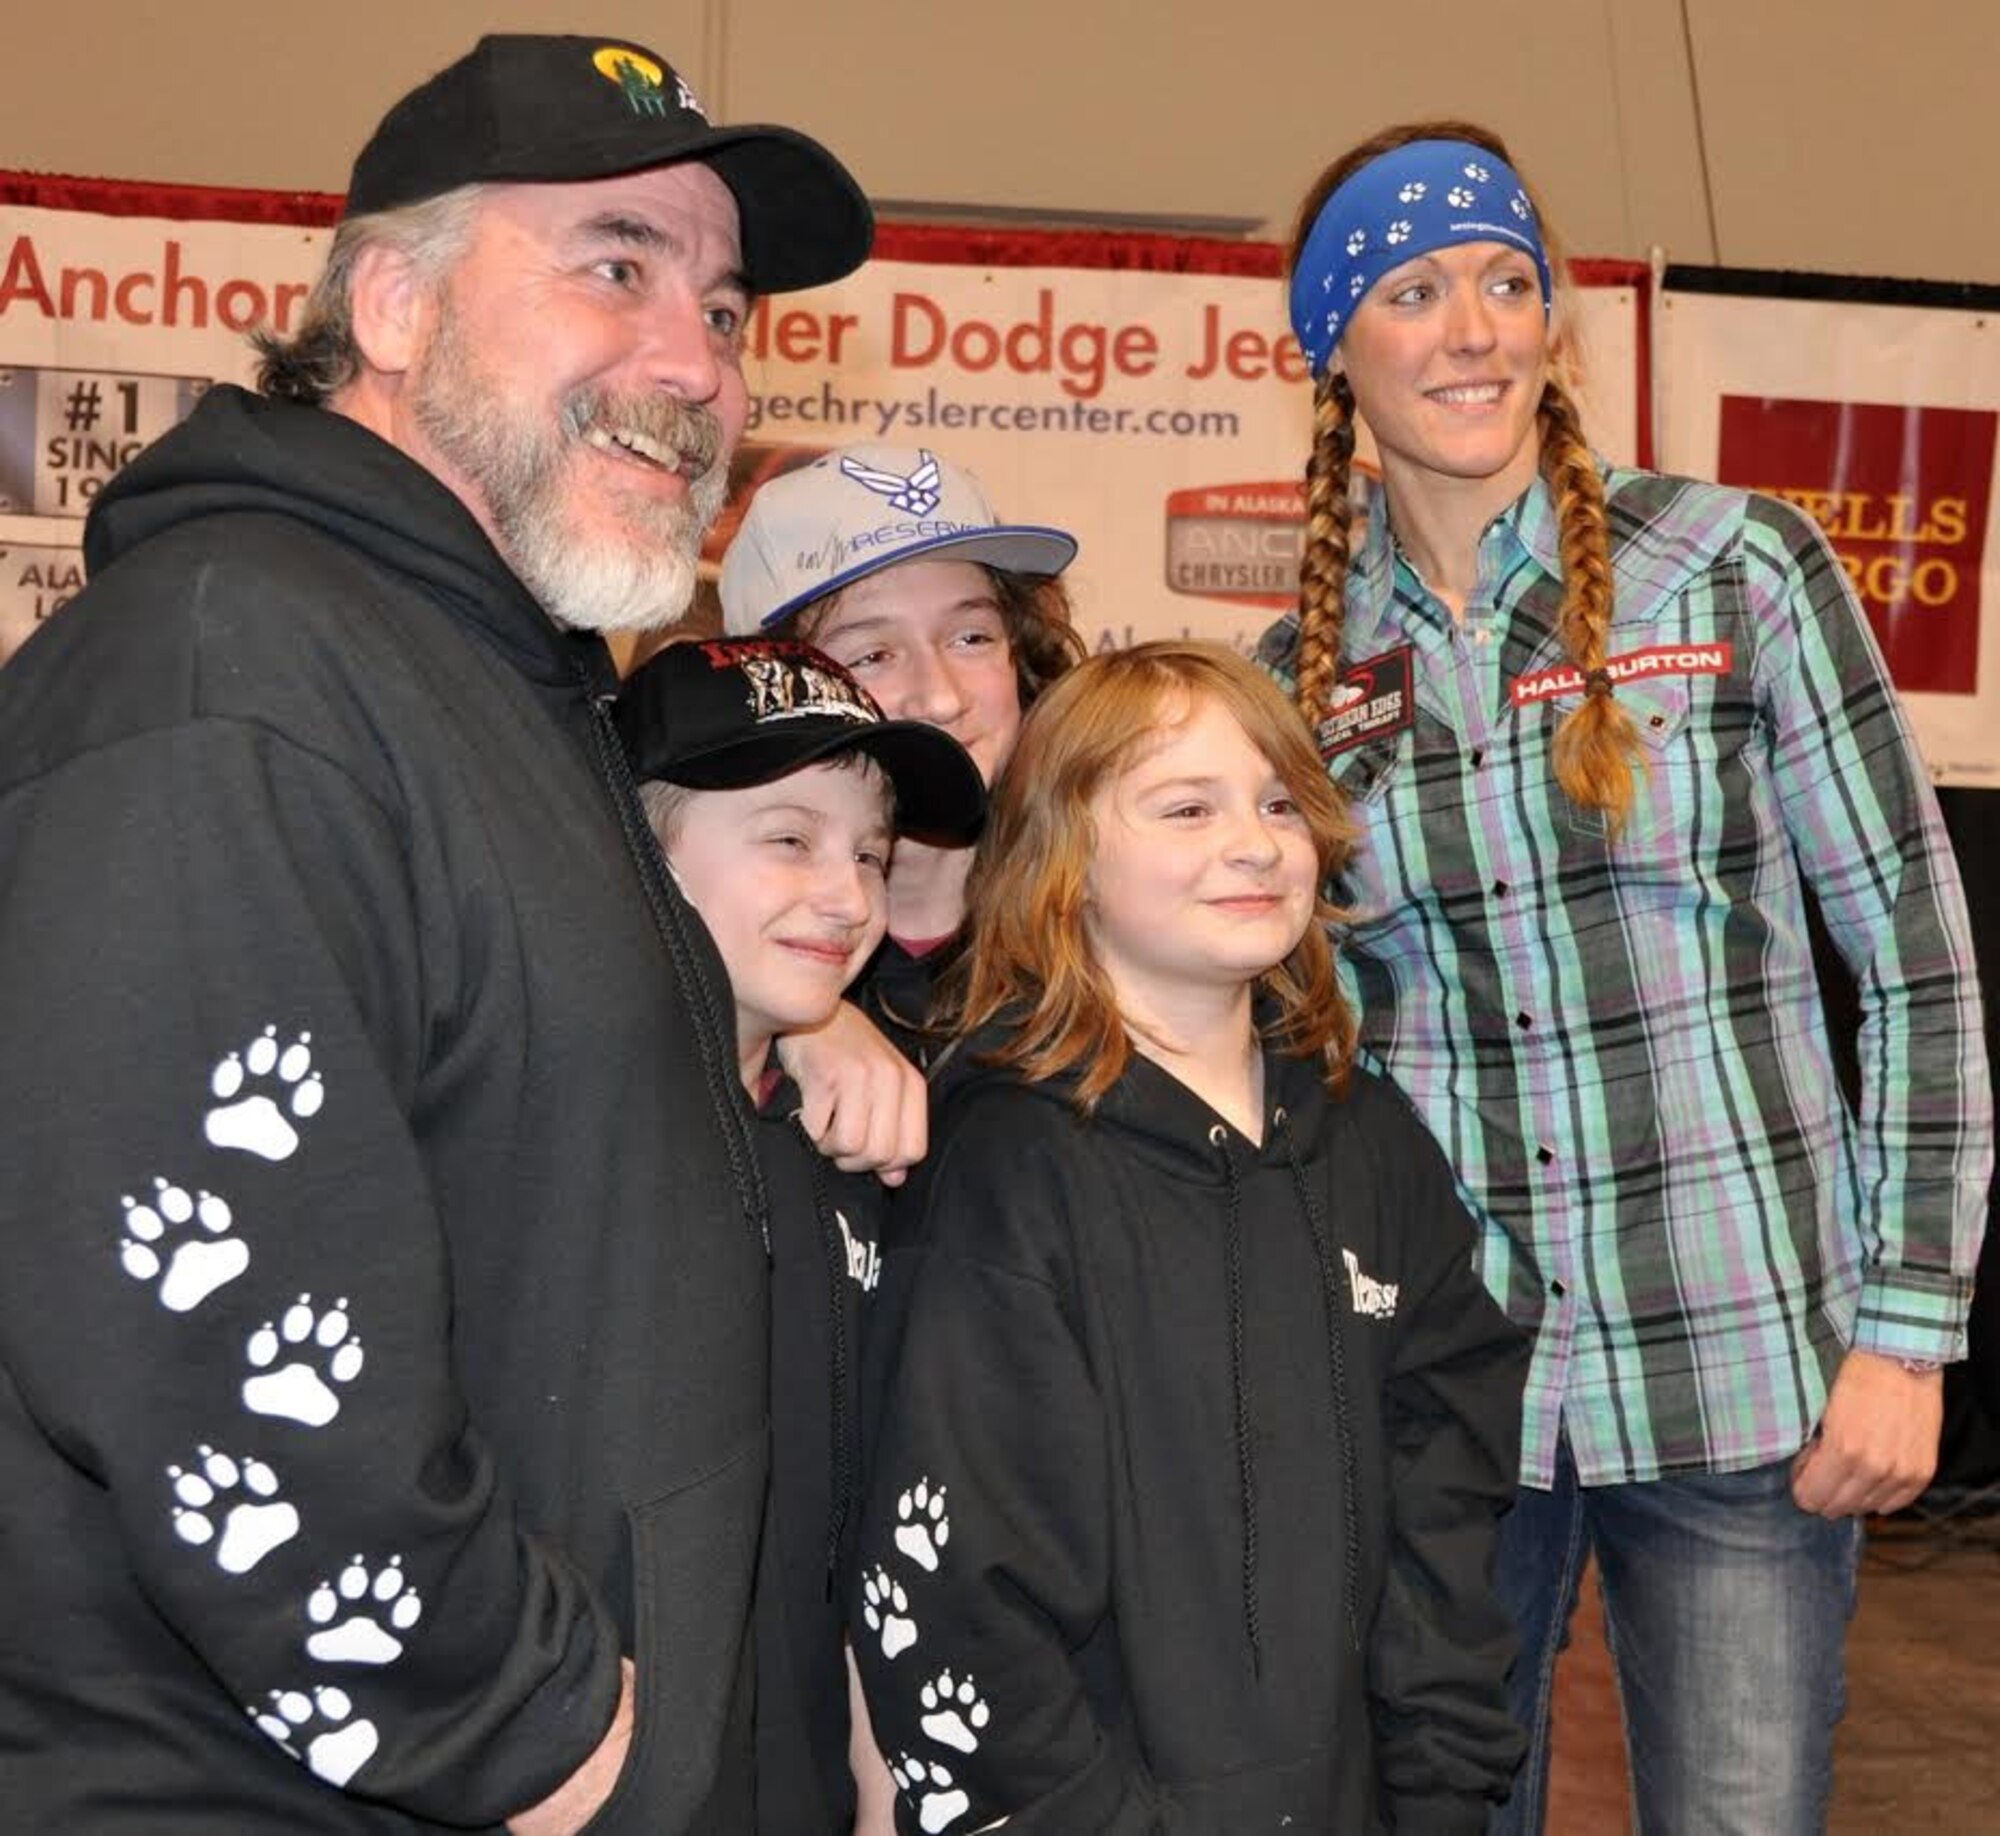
[393,308]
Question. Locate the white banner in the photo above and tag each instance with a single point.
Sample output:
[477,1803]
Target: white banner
[110,329]
[1879,422]
[1163,417]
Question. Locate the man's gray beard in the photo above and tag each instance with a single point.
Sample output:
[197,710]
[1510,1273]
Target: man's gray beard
[643,582]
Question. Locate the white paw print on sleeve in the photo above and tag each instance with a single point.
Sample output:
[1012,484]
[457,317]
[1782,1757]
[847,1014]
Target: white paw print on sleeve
[930,1788]
[335,1753]
[954,1712]
[243,1495]
[358,1613]
[260,1092]
[186,1265]
[305,1339]
[922,1529]
[885,1608]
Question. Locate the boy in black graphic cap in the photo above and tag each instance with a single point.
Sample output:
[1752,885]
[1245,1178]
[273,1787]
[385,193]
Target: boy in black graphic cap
[774,786]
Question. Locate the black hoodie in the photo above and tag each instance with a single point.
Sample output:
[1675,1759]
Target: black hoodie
[826,1264]
[895,991]
[1183,1490]
[383,1292]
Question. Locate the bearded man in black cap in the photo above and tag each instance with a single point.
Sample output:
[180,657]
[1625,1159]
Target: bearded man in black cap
[382,1257]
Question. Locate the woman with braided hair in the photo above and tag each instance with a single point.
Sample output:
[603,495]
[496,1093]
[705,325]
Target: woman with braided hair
[1605,730]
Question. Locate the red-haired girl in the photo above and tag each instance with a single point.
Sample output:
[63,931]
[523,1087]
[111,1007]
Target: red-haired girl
[1185,1480]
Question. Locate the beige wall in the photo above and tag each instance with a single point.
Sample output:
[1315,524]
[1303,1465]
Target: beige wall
[1844,135]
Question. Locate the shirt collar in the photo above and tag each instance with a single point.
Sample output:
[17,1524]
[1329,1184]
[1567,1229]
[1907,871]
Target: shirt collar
[1531,517]
[1528,526]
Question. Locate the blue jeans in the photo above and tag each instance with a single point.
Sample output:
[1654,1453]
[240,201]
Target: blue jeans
[1726,1610]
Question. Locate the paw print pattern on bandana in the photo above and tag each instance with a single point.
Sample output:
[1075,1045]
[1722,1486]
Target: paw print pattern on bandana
[954,1712]
[337,1753]
[931,1789]
[885,1609]
[260,1092]
[296,1389]
[185,1265]
[922,1529]
[243,1494]
[358,1613]
[1428,195]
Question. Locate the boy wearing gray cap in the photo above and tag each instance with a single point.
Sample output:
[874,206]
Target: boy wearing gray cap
[891,560]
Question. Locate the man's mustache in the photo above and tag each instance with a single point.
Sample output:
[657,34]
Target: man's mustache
[664,423]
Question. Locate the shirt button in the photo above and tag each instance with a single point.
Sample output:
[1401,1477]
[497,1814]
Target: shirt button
[1524,1021]
[1544,1155]
[1478,757]
[1499,889]
[1557,1289]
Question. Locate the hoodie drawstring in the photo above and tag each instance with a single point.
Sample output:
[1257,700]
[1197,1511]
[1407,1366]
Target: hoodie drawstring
[846,1453]
[1336,1361]
[715,1026]
[1246,1459]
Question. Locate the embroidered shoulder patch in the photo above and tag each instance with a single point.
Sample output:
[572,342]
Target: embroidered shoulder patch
[1370,699]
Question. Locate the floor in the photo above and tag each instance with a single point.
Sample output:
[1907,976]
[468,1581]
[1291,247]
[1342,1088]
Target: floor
[1920,1747]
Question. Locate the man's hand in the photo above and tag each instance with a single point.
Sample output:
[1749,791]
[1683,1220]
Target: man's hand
[1877,1444]
[582,1795]
[861,1100]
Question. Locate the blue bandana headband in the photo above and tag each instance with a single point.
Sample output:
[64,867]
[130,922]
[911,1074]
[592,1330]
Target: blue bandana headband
[1424,196]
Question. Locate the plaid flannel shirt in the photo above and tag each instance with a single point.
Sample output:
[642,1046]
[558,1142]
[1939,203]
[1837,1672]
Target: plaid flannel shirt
[1621,1044]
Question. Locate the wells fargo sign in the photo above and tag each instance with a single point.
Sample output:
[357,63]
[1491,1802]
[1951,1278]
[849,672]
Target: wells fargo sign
[1902,494]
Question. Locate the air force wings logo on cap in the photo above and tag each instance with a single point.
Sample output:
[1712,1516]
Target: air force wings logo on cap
[917,495]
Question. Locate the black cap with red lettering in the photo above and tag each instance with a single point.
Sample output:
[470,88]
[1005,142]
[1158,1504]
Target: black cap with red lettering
[534,108]
[722,713]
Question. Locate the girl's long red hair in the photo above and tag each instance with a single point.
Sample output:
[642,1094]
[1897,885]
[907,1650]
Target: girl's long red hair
[1028,959]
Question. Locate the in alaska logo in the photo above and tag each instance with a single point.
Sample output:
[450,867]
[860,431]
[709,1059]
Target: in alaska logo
[1901,492]
[1237,542]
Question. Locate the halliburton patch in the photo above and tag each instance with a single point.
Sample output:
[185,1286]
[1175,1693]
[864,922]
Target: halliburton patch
[1633,666]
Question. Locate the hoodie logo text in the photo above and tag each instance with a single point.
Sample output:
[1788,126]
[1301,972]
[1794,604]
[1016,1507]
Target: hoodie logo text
[1375,1300]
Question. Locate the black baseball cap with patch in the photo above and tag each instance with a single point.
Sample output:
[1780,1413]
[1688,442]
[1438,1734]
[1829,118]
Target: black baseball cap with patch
[534,108]
[725,713]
